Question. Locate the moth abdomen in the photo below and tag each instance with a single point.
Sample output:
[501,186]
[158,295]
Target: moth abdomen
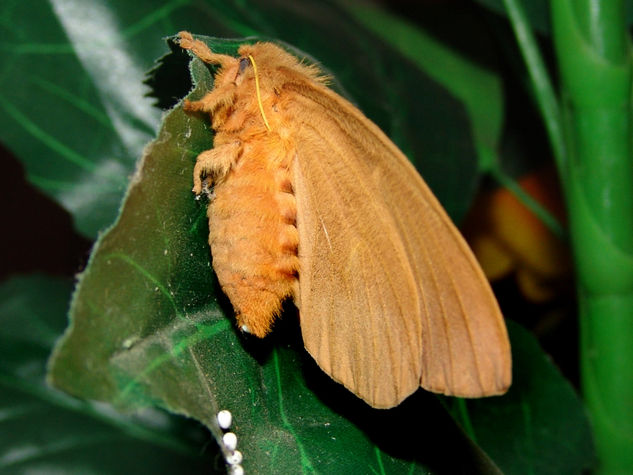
[253,236]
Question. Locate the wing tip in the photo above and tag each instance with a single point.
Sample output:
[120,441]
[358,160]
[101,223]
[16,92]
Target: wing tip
[474,386]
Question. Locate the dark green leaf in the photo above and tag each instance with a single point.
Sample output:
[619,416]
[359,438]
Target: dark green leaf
[538,12]
[45,431]
[539,426]
[477,88]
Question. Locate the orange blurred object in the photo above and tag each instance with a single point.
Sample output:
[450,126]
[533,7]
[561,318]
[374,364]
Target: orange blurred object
[507,237]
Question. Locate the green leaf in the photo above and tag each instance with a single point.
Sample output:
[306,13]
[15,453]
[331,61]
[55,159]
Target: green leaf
[538,12]
[76,125]
[477,88]
[44,430]
[539,426]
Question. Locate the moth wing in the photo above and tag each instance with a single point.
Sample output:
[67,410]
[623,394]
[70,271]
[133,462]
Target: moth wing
[391,297]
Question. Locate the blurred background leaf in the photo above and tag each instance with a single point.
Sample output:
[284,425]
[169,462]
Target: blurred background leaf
[537,12]
[45,431]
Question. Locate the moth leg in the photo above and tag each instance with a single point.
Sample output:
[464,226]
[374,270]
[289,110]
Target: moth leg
[211,100]
[202,51]
[214,163]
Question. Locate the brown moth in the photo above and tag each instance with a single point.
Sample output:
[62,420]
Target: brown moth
[312,202]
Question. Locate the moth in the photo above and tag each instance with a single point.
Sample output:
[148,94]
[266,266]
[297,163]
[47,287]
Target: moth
[312,202]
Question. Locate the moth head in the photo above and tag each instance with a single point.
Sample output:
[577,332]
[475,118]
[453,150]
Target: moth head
[268,60]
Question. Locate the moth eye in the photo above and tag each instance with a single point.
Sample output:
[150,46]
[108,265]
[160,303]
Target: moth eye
[244,62]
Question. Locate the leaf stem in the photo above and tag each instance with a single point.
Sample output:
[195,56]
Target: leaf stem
[534,206]
[543,89]
[596,68]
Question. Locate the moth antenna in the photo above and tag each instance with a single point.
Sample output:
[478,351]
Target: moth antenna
[259,96]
